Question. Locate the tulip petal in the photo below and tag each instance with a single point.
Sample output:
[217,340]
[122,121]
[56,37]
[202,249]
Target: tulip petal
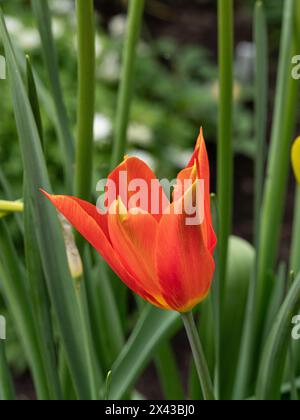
[137,186]
[296,159]
[133,237]
[185,265]
[84,217]
[198,167]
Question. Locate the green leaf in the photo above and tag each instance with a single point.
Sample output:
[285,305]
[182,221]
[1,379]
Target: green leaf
[110,342]
[51,245]
[33,98]
[168,372]
[153,328]
[240,265]
[36,280]
[12,277]
[40,303]
[275,351]
[7,392]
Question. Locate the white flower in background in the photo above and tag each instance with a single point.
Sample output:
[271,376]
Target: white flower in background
[99,47]
[29,39]
[62,7]
[58,28]
[140,134]
[14,26]
[102,127]
[146,157]
[110,67]
[179,157]
[117,26]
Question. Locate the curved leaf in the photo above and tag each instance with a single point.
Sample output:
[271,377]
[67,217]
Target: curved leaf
[153,327]
[275,351]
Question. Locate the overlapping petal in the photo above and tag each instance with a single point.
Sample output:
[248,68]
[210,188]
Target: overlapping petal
[134,236]
[94,228]
[185,265]
[198,168]
[132,176]
[147,240]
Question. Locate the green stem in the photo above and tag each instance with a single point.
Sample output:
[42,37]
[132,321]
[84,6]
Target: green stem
[86,98]
[136,8]
[225,153]
[11,206]
[199,357]
[261,106]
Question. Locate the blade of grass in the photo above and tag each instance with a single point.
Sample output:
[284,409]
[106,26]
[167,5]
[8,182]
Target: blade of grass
[7,391]
[92,365]
[168,372]
[36,280]
[86,98]
[33,98]
[136,8]
[153,328]
[225,152]
[166,366]
[69,393]
[43,18]
[52,249]
[40,304]
[13,284]
[275,351]
[110,341]
[261,107]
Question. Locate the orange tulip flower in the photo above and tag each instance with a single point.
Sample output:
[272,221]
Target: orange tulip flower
[167,262]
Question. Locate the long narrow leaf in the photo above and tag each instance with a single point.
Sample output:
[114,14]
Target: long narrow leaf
[43,17]
[12,277]
[154,327]
[7,391]
[275,351]
[49,235]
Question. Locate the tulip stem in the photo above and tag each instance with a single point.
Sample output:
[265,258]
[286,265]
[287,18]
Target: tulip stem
[199,357]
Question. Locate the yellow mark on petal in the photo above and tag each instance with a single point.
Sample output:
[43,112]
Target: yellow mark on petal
[296,159]
[194,171]
[121,210]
